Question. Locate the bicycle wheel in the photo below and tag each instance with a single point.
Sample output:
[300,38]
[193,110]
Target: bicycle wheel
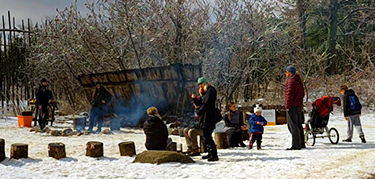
[333,136]
[309,138]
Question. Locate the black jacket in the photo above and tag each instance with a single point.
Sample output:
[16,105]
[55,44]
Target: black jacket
[100,95]
[346,103]
[206,111]
[156,134]
[228,122]
[43,95]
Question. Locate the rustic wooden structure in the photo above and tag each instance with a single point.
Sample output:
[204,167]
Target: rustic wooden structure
[15,85]
[172,146]
[94,149]
[127,148]
[221,140]
[168,88]
[56,150]
[19,150]
[2,149]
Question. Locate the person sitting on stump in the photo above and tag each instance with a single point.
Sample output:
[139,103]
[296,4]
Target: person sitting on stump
[234,121]
[156,131]
[43,95]
[100,98]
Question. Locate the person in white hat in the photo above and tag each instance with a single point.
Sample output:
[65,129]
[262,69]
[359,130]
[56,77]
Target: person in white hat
[256,121]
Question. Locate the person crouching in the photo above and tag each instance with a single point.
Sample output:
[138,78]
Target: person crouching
[156,131]
[257,121]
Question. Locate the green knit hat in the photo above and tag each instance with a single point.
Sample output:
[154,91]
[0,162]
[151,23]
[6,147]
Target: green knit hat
[202,80]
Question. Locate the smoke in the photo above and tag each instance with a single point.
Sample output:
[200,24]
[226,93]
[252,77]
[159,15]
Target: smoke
[135,110]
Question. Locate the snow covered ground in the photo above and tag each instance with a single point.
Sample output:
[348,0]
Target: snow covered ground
[324,160]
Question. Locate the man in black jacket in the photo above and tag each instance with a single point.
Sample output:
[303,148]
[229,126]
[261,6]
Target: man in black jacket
[100,98]
[351,116]
[43,95]
[207,116]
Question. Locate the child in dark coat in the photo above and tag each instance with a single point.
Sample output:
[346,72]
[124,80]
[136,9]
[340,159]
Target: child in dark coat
[257,121]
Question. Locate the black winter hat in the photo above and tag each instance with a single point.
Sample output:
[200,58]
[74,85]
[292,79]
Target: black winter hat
[43,80]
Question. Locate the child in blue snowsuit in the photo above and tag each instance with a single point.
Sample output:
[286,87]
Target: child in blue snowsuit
[257,121]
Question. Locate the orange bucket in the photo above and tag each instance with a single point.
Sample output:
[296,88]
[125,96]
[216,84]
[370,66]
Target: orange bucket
[25,121]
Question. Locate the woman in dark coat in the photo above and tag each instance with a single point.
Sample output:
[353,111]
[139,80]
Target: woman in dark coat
[156,131]
[234,121]
[207,116]
[100,98]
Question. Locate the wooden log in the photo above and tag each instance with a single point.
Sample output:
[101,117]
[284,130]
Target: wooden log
[56,150]
[221,140]
[2,149]
[94,149]
[127,148]
[18,151]
[172,146]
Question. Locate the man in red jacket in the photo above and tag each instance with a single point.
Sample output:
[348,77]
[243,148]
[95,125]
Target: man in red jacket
[294,94]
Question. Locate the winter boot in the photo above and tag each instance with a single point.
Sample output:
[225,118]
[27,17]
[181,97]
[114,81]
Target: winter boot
[242,144]
[188,150]
[209,153]
[363,138]
[194,152]
[347,140]
[213,156]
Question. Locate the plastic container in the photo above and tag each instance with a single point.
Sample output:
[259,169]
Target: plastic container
[25,121]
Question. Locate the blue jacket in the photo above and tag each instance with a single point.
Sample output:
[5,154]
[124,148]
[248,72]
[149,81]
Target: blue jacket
[253,126]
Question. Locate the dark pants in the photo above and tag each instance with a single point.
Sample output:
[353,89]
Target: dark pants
[207,134]
[295,120]
[256,137]
[43,116]
[96,114]
[235,137]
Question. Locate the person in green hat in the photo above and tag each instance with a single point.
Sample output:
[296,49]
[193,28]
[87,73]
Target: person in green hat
[206,116]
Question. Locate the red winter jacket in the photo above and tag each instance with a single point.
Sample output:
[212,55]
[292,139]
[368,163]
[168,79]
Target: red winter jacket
[294,92]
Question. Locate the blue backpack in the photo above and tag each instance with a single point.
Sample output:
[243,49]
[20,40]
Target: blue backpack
[354,104]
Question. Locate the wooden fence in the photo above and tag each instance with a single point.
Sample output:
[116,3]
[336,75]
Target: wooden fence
[15,86]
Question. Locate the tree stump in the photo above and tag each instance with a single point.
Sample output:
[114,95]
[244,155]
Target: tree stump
[221,140]
[19,151]
[56,150]
[2,149]
[94,149]
[127,148]
[172,146]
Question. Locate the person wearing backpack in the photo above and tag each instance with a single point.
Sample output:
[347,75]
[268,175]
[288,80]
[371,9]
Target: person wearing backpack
[207,116]
[352,111]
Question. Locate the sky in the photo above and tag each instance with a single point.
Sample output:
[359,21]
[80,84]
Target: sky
[36,10]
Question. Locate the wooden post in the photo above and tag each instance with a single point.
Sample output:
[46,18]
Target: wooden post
[56,150]
[2,149]
[19,151]
[172,147]
[127,148]
[221,140]
[94,149]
